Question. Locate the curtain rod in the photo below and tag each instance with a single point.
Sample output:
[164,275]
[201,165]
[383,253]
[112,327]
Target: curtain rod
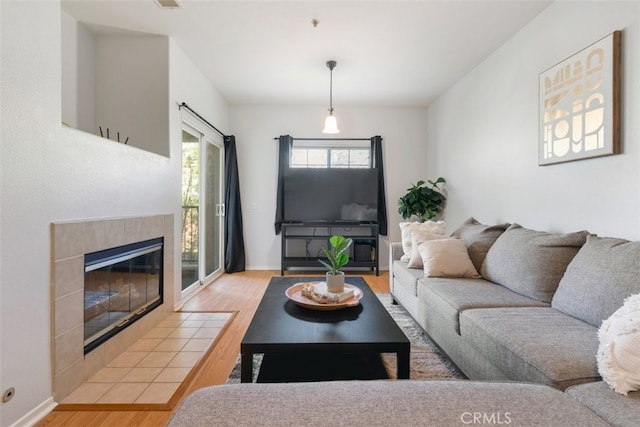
[327,139]
[184,104]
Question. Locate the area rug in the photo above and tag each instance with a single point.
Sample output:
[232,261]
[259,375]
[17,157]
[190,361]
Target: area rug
[426,362]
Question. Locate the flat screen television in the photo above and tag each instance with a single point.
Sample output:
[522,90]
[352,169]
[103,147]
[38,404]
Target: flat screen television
[334,194]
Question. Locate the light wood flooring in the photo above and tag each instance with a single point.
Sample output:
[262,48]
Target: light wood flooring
[239,292]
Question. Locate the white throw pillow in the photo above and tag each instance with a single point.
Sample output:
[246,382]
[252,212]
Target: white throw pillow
[418,236]
[407,227]
[619,350]
[446,258]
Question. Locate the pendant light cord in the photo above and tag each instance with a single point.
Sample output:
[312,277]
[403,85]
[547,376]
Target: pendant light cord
[331,91]
[331,64]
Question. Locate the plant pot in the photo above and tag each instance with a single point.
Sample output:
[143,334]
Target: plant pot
[335,282]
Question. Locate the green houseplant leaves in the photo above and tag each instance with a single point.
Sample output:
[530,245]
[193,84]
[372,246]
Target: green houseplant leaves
[423,201]
[337,257]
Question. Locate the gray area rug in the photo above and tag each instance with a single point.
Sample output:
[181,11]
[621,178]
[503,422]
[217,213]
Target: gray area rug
[427,361]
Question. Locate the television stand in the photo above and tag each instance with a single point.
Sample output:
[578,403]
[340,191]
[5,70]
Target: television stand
[302,241]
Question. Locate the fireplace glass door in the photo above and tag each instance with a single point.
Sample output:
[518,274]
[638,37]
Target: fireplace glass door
[120,286]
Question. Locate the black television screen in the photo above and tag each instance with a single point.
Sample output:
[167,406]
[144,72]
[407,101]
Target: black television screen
[334,194]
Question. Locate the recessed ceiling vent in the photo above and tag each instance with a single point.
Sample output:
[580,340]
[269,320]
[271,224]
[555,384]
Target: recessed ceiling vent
[169,4]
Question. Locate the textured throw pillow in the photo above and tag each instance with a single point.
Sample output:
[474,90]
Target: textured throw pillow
[619,350]
[602,274]
[479,238]
[446,258]
[416,237]
[531,262]
[407,227]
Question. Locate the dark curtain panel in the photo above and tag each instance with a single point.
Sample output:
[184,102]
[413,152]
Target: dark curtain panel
[376,162]
[234,258]
[284,151]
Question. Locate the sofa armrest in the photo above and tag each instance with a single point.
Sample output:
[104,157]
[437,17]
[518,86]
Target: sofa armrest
[395,251]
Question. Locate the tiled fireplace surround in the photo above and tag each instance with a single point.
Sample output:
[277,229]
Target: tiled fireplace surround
[71,240]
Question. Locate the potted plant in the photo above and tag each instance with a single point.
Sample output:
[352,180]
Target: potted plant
[337,258]
[425,202]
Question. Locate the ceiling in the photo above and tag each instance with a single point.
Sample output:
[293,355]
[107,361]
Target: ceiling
[388,53]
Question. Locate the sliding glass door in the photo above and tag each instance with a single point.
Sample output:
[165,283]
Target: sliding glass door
[202,207]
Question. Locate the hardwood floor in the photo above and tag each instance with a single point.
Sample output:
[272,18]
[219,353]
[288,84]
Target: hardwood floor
[239,291]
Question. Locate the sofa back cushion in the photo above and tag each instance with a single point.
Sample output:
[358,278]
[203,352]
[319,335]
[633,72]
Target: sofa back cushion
[531,262]
[479,238]
[406,228]
[603,273]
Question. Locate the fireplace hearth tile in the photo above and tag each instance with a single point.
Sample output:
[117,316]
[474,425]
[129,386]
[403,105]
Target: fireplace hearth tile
[123,393]
[184,333]
[145,344]
[157,359]
[186,359]
[128,359]
[88,393]
[109,375]
[158,392]
[141,375]
[196,344]
[151,377]
[172,375]
[172,344]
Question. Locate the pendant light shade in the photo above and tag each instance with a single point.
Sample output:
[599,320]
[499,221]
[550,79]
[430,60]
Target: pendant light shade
[330,123]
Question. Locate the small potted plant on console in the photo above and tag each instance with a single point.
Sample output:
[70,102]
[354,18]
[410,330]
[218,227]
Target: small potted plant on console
[337,258]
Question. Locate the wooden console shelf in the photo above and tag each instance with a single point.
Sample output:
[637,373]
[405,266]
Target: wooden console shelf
[301,243]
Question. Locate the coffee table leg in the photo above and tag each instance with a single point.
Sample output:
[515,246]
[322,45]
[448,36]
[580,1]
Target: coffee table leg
[246,368]
[403,365]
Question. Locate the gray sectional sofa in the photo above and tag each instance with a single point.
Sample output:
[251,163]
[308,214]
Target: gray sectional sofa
[523,327]
[533,315]
[382,403]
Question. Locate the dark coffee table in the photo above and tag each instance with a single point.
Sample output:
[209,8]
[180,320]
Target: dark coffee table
[281,327]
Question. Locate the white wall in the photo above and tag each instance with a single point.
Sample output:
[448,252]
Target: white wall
[78,75]
[115,84]
[132,75]
[404,134]
[483,133]
[53,173]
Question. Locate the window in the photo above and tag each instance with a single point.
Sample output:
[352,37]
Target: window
[330,156]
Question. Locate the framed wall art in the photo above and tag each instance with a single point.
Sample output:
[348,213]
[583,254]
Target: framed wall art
[579,105]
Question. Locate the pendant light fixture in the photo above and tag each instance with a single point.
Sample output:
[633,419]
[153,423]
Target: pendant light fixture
[330,124]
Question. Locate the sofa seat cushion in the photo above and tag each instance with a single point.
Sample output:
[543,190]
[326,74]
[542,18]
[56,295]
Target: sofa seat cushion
[597,281]
[381,403]
[407,277]
[614,408]
[452,296]
[537,344]
[531,262]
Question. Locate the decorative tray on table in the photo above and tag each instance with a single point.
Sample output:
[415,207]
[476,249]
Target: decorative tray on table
[294,293]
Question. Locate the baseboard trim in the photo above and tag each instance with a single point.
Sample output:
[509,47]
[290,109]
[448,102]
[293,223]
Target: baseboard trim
[36,414]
